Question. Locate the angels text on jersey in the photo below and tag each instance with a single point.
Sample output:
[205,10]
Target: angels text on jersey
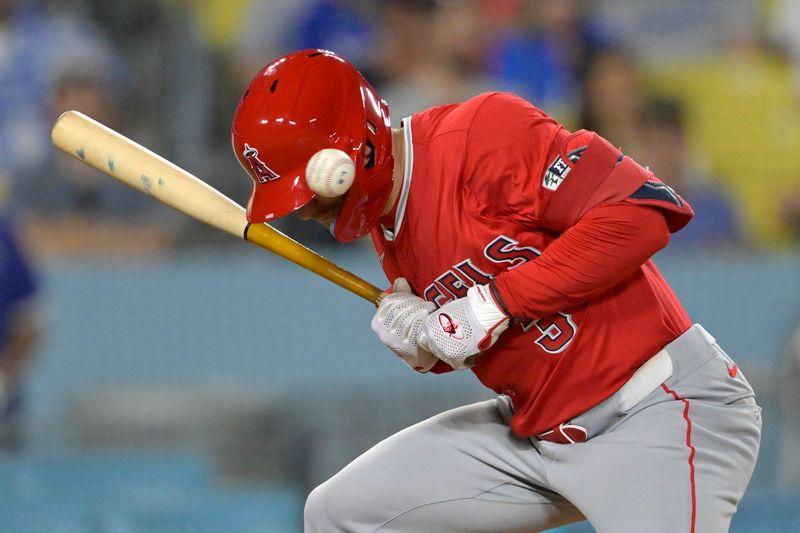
[556,331]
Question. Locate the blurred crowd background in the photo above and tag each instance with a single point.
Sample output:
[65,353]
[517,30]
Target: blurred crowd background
[157,375]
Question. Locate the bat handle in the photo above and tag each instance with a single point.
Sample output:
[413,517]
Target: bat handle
[268,237]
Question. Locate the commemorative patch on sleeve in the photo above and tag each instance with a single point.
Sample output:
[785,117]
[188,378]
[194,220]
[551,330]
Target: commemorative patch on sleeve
[559,169]
[555,174]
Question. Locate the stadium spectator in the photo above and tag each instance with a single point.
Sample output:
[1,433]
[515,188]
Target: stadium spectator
[613,96]
[446,57]
[784,28]
[167,48]
[52,60]
[545,54]
[743,112]
[344,25]
[36,41]
[348,26]
[74,210]
[401,46]
[252,46]
[666,151]
[19,328]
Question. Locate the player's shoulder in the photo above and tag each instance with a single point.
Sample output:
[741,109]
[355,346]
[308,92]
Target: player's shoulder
[507,110]
[501,100]
[489,107]
[490,102]
[496,100]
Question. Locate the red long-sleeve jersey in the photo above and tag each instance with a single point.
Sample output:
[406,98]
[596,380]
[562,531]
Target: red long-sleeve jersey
[564,225]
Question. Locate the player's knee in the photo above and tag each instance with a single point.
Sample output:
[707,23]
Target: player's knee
[321,513]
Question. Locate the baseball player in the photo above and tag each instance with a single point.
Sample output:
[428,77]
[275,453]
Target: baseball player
[519,251]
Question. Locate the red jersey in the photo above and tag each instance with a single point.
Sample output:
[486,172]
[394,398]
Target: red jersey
[489,185]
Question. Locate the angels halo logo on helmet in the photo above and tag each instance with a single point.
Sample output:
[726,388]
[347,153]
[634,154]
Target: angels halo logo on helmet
[262,172]
[297,105]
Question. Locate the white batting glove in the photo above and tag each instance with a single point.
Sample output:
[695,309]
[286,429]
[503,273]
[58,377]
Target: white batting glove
[461,329]
[399,323]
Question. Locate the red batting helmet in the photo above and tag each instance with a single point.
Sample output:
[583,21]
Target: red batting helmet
[296,106]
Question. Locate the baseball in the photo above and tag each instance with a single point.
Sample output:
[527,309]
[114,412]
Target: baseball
[330,172]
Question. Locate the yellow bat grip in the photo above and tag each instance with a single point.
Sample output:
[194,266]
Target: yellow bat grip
[267,237]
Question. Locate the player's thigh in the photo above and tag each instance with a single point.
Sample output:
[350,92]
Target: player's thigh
[461,470]
[726,440]
[677,466]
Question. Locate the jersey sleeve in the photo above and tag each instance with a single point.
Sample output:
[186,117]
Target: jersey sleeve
[588,171]
[600,251]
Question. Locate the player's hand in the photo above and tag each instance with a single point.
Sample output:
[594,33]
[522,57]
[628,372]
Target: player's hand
[399,323]
[461,329]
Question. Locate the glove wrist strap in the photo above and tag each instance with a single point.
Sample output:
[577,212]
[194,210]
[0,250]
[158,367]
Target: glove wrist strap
[486,310]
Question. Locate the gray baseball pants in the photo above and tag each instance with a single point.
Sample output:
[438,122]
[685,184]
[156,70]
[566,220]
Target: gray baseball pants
[668,456]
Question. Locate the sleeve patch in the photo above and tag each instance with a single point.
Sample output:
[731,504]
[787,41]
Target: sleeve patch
[558,169]
[556,173]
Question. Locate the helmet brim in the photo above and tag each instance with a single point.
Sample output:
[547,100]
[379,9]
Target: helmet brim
[280,198]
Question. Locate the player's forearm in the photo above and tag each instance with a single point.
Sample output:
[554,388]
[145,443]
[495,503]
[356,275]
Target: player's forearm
[601,250]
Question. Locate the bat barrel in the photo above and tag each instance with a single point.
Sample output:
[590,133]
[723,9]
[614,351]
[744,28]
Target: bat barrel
[124,160]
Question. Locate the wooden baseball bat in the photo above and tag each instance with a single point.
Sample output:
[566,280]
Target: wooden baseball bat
[114,154]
